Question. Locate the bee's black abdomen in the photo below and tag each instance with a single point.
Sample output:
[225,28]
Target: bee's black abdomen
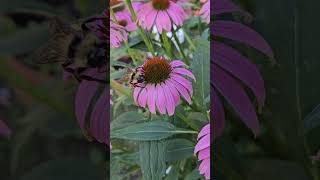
[73,46]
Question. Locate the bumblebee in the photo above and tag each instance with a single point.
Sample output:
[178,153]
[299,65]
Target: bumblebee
[137,78]
[75,50]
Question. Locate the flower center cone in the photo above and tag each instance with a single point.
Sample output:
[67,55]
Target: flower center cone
[156,70]
[161,4]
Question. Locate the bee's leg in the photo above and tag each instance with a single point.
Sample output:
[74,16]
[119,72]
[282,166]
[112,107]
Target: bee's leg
[88,78]
[84,26]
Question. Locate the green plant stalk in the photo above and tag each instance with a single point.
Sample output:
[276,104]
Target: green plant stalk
[166,44]
[124,41]
[305,161]
[193,47]
[140,30]
[37,92]
[180,49]
[119,89]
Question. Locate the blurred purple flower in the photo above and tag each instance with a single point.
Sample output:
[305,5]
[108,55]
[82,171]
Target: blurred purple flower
[93,116]
[4,130]
[203,150]
[315,157]
[231,71]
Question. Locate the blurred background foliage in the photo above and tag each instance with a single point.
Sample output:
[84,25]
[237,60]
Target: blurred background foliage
[46,141]
[290,134]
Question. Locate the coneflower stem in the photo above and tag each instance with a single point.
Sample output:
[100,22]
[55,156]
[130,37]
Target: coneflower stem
[180,49]
[193,47]
[166,44]
[140,30]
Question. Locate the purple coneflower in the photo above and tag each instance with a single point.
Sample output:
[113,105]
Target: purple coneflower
[205,11]
[161,13]
[203,150]
[124,19]
[117,34]
[230,70]
[164,83]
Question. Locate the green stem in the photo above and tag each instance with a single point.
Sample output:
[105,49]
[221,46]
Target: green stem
[166,43]
[140,30]
[300,124]
[180,49]
[193,47]
[38,92]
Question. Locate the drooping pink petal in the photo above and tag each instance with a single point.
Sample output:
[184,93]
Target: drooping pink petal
[240,67]
[151,98]
[183,71]
[142,99]
[100,118]
[174,92]
[136,94]
[84,94]
[236,96]
[160,102]
[184,82]
[217,114]
[227,6]
[204,154]
[203,143]
[238,32]
[170,105]
[177,63]
[182,90]
[204,131]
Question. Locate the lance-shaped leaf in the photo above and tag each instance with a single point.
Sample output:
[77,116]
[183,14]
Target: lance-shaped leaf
[148,131]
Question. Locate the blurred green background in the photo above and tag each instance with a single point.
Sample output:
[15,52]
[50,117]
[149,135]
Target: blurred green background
[46,142]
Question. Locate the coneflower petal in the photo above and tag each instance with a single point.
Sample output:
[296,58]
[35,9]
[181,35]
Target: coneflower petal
[175,93]
[136,94]
[177,63]
[184,82]
[170,105]
[160,101]
[182,90]
[142,99]
[184,72]
[151,98]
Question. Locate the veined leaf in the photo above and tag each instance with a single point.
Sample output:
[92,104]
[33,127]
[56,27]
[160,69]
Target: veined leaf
[148,131]
[200,66]
[126,119]
[152,159]
[178,149]
[312,120]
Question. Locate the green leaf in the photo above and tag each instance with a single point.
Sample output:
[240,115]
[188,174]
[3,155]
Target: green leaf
[194,175]
[178,149]
[148,131]
[63,169]
[24,40]
[312,120]
[152,159]
[126,119]
[174,172]
[200,66]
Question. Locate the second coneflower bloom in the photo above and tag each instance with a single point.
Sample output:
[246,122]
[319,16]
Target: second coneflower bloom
[118,33]
[164,82]
[162,14]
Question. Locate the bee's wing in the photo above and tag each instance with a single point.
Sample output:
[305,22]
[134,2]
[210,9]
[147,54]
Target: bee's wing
[56,49]
[52,52]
